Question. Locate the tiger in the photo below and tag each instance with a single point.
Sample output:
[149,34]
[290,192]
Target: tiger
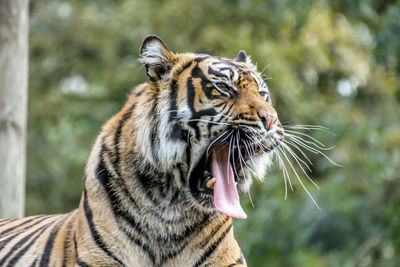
[162,181]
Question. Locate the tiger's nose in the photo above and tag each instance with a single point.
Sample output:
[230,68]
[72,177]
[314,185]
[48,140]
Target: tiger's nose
[267,119]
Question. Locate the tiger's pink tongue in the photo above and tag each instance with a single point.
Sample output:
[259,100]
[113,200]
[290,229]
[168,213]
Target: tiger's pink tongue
[226,197]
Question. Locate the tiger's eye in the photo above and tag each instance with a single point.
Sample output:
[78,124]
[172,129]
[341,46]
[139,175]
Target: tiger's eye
[264,95]
[222,86]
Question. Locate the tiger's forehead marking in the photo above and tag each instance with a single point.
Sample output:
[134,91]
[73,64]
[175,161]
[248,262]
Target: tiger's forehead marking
[221,69]
[224,70]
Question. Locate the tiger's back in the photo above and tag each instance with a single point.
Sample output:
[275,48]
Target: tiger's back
[44,240]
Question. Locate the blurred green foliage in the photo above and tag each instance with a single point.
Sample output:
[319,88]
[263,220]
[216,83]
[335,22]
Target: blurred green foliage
[335,64]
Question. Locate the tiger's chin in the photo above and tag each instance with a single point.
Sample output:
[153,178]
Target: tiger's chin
[223,171]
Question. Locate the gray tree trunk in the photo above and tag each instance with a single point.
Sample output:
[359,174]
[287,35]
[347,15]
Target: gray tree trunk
[13,105]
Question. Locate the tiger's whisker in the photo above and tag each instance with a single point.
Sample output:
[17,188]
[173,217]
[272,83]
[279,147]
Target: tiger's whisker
[213,142]
[298,178]
[229,156]
[231,143]
[251,200]
[284,144]
[298,163]
[254,138]
[249,153]
[297,147]
[307,135]
[308,128]
[265,67]
[203,120]
[239,153]
[286,176]
[245,163]
[171,110]
[290,136]
[315,151]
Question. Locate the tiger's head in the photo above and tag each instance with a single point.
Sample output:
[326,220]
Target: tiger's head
[215,118]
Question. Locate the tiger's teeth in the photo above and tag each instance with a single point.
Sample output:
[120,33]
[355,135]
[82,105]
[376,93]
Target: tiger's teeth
[210,183]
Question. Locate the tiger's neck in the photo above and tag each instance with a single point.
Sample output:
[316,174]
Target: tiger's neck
[144,213]
[135,158]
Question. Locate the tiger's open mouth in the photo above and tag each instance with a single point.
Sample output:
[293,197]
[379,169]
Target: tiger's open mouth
[218,174]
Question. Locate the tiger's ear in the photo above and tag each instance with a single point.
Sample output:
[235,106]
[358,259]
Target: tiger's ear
[242,57]
[156,57]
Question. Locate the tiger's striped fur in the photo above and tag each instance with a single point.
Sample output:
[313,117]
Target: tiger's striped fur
[143,203]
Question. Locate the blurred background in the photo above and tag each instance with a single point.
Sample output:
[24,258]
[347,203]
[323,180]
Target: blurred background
[335,64]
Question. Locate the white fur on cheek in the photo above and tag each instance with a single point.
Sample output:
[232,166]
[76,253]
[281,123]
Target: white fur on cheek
[170,151]
[262,163]
[259,166]
[143,133]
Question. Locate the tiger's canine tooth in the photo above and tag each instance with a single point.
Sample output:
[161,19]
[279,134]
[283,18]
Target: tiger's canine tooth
[210,183]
